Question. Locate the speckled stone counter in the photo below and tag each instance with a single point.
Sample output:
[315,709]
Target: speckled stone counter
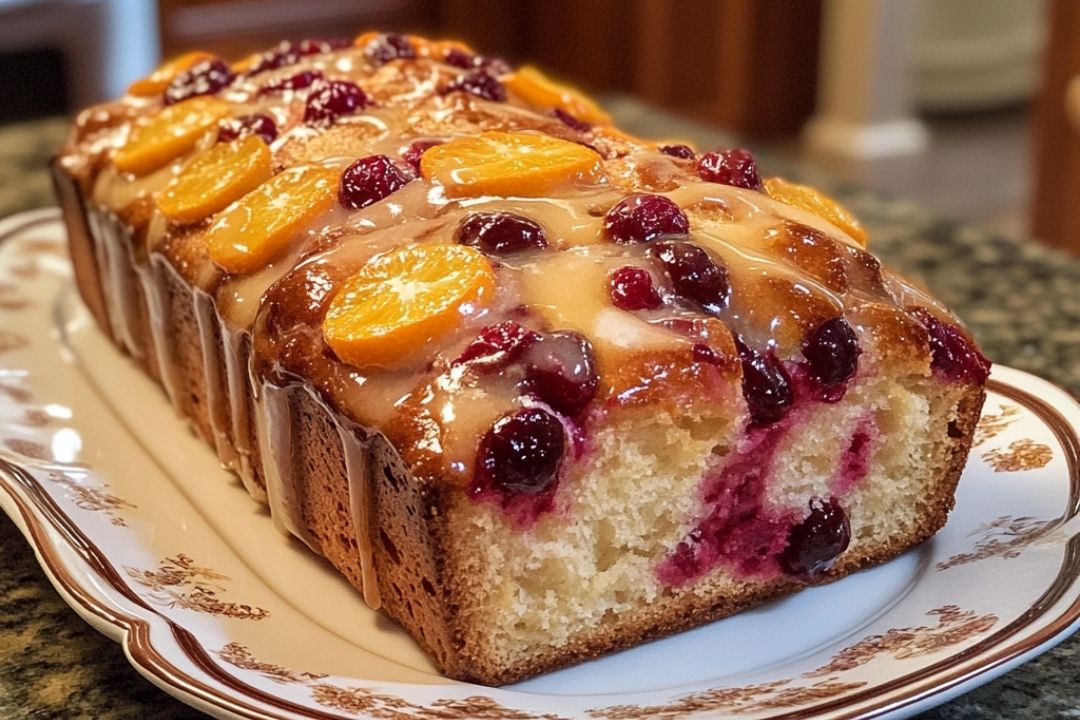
[1021,301]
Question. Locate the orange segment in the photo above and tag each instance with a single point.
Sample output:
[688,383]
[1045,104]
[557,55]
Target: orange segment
[537,89]
[253,231]
[807,198]
[216,178]
[156,82]
[169,134]
[402,300]
[364,38]
[501,163]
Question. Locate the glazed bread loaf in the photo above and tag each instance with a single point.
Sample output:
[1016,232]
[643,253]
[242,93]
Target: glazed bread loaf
[539,389]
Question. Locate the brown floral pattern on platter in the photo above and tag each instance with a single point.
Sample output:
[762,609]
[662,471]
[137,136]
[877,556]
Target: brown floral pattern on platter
[10,299]
[1023,454]
[993,424]
[15,393]
[179,582]
[25,270]
[240,656]
[11,341]
[954,626]
[394,707]
[28,448]
[93,499]
[776,695]
[42,246]
[35,417]
[1006,537]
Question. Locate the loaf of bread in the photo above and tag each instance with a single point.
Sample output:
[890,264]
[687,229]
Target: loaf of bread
[539,389]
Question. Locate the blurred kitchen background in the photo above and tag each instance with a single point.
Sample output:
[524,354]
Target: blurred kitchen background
[968,107]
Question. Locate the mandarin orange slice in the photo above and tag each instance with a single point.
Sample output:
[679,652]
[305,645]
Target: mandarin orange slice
[156,82]
[169,134]
[253,231]
[401,300]
[507,164]
[216,178]
[814,201]
[538,89]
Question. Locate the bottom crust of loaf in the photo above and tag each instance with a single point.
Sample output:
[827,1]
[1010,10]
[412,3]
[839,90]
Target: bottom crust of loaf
[488,602]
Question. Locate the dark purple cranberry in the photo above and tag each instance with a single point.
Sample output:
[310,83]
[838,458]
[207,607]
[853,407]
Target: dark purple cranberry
[561,370]
[281,56]
[481,84]
[521,453]
[683,152]
[299,81]
[642,217]
[331,99]
[256,124]
[766,385]
[952,353]
[369,180]
[730,167]
[413,153]
[387,47]
[500,233]
[203,78]
[832,352]
[632,289]
[498,345]
[702,353]
[693,273]
[814,544]
[570,121]
[318,46]
[459,58]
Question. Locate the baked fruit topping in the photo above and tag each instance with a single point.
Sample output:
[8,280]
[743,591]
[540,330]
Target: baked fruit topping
[205,77]
[259,124]
[632,289]
[332,99]
[369,180]
[953,353]
[399,301]
[538,90]
[500,233]
[168,135]
[642,217]
[694,275]
[736,167]
[215,178]
[521,454]
[817,202]
[156,82]
[561,370]
[509,164]
[256,229]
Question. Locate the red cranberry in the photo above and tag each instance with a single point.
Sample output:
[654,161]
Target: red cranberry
[412,154]
[369,180]
[693,273]
[521,453]
[203,78]
[481,84]
[570,121]
[952,353]
[256,124]
[498,345]
[299,81]
[642,217]
[683,152]
[387,47]
[331,99]
[500,233]
[632,289]
[730,167]
[766,385]
[459,58]
[832,352]
[561,370]
[815,543]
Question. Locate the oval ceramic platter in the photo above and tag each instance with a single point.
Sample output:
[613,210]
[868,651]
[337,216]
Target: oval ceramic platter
[159,548]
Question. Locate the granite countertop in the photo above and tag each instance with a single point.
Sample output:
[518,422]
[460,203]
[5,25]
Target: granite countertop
[1021,300]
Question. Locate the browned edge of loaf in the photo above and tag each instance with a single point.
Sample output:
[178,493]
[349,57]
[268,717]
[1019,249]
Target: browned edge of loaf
[409,532]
